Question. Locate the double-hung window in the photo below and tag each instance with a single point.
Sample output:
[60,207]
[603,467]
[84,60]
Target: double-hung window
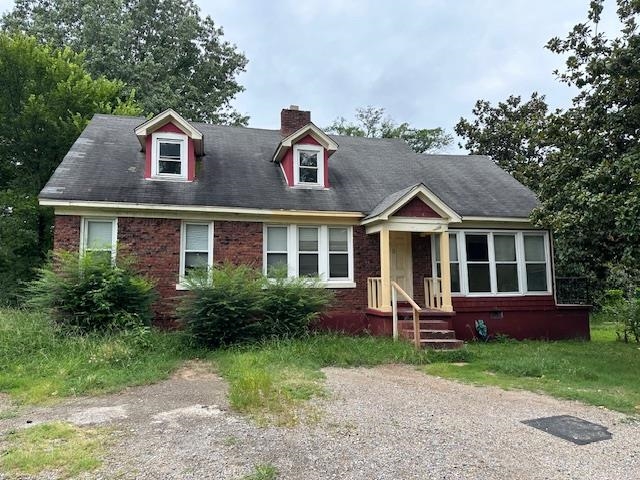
[169,156]
[196,247]
[311,251]
[478,264]
[454,262]
[99,237]
[535,262]
[504,246]
[308,165]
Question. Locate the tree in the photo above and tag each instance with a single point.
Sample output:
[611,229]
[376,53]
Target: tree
[513,133]
[372,122]
[591,193]
[46,100]
[164,50]
[587,157]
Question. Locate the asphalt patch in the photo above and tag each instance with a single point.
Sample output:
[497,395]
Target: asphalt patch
[571,428]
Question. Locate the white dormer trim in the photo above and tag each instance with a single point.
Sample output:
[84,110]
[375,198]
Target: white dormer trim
[309,129]
[162,119]
[428,197]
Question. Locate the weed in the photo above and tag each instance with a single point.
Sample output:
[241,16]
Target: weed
[264,471]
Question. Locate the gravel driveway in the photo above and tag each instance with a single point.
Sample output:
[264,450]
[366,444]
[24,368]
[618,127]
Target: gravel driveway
[389,422]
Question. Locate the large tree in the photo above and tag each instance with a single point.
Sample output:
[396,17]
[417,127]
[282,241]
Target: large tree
[373,122]
[46,100]
[165,50]
[591,192]
[513,133]
[586,159]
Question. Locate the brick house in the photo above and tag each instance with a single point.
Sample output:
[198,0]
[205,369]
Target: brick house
[369,216]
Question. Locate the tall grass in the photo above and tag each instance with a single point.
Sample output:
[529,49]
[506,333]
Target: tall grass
[39,362]
[271,380]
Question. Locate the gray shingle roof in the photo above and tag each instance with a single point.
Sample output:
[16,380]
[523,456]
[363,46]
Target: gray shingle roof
[106,164]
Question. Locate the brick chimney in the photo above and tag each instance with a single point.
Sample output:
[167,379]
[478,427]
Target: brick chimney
[292,119]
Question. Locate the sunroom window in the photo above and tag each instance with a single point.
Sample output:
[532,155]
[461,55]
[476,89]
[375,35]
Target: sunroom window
[478,266]
[506,263]
[536,263]
[309,165]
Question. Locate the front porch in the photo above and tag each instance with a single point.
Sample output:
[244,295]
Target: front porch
[413,292]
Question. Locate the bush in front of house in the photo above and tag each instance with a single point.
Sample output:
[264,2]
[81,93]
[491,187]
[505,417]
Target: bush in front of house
[90,293]
[231,304]
[290,305]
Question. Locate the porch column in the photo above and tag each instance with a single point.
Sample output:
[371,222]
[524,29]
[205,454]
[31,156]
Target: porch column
[385,268]
[445,269]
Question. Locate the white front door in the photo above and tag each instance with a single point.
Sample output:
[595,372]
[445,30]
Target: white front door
[401,260]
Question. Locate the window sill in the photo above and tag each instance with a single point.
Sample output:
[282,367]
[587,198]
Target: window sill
[303,186]
[182,287]
[337,284]
[169,179]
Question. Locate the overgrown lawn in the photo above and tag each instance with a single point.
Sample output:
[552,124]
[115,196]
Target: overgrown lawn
[600,372]
[39,363]
[272,380]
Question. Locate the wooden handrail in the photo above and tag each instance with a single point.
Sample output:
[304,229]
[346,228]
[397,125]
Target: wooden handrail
[395,289]
[406,296]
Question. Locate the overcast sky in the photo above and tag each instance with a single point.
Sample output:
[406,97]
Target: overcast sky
[425,61]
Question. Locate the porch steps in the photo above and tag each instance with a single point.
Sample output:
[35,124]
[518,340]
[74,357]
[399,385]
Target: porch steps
[436,334]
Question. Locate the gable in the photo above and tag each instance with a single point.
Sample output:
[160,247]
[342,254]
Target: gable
[416,207]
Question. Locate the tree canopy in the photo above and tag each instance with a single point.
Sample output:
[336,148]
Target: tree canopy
[164,50]
[588,154]
[47,98]
[372,122]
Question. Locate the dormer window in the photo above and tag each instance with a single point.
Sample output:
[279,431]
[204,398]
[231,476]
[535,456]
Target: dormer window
[169,155]
[308,165]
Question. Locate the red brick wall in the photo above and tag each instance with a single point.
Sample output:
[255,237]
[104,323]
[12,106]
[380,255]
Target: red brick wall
[238,243]
[155,243]
[66,233]
[416,208]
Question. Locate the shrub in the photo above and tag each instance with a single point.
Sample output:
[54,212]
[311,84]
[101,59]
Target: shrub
[223,305]
[290,305]
[87,293]
[236,304]
[625,311]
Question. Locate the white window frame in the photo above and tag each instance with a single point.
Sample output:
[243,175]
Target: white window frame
[183,244]
[296,165]
[169,137]
[323,253]
[522,274]
[84,235]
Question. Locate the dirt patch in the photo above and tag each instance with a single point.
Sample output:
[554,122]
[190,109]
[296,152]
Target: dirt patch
[195,370]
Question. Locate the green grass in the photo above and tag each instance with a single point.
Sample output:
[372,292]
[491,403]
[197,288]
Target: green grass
[272,381]
[264,471]
[56,446]
[39,364]
[601,372]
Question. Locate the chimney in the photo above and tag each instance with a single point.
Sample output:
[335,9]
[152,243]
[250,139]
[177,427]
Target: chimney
[292,119]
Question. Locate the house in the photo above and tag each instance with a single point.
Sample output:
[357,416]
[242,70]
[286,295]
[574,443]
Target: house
[372,218]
